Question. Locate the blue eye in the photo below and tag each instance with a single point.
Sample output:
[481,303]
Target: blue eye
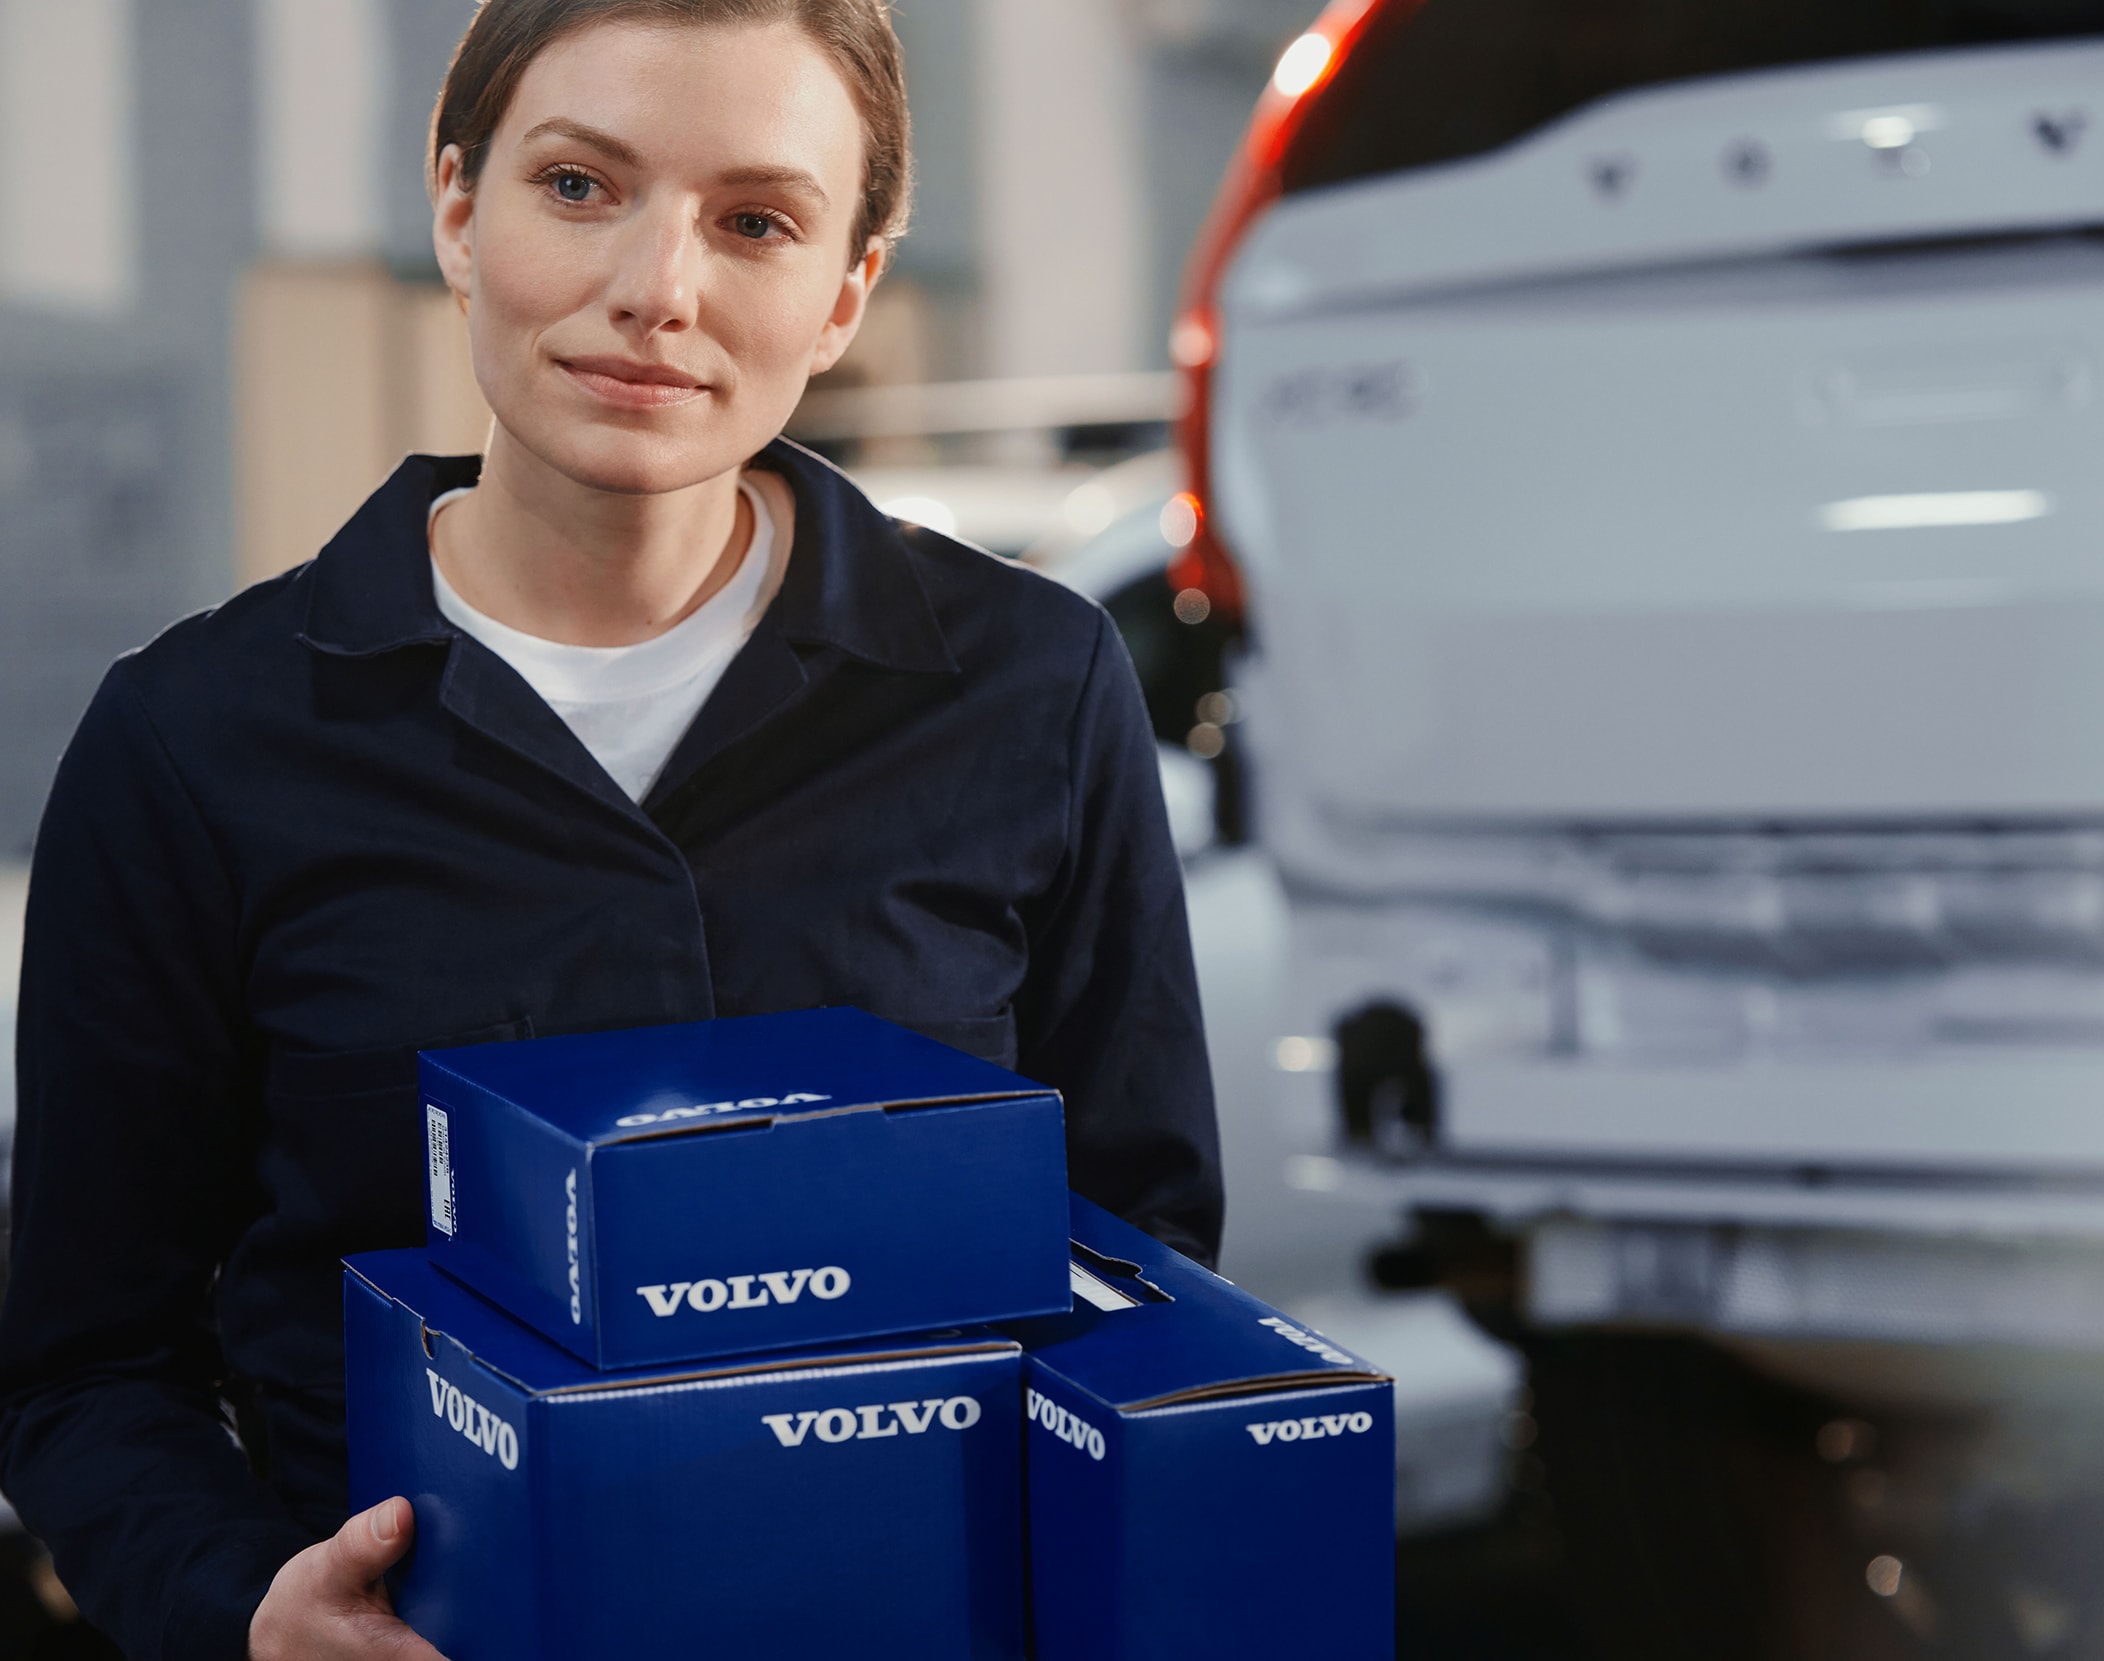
[573,187]
[753,226]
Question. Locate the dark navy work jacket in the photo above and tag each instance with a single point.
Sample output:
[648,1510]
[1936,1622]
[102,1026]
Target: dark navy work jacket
[303,835]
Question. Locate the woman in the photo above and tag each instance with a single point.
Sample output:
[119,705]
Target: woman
[646,716]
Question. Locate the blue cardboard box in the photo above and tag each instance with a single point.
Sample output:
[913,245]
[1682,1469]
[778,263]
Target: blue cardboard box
[1204,1476]
[841,1502]
[676,1192]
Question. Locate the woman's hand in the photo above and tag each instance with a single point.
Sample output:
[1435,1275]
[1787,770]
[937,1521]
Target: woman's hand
[327,1604]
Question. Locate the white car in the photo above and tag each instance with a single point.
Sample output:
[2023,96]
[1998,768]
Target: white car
[1677,695]
[1655,450]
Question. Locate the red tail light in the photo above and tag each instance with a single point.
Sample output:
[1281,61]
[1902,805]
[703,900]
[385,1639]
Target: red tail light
[1304,71]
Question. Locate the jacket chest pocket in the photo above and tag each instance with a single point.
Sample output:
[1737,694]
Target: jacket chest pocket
[343,1156]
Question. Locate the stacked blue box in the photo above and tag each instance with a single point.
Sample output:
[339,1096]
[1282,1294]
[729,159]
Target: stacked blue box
[659,1402]
[708,1372]
[672,1193]
[1204,1476]
[807,1505]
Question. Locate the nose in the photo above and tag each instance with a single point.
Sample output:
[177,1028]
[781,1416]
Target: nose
[655,286]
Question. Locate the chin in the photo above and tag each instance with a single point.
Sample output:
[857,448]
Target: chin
[631,463]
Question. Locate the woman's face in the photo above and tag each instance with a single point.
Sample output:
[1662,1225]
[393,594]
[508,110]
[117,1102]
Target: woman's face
[655,255]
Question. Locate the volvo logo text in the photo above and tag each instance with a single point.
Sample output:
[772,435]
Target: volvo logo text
[474,1421]
[703,1110]
[1310,1430]
[746,1291]
[1308,1341]
[867,1424]
[1066,1426]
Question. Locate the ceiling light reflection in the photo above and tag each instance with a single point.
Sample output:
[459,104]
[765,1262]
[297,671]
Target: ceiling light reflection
[1090,508]
[1301,65]
[1296,1054]
[1179,523]
[1892,128]
[1191,342]
[1934,508]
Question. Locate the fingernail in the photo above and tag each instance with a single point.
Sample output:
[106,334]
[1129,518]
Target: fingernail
[384,1525]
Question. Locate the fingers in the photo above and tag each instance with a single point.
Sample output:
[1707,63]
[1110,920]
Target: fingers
[327,1604]
[370,1543]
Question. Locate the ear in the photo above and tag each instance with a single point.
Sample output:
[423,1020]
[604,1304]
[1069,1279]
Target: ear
[453,225]
[850,306]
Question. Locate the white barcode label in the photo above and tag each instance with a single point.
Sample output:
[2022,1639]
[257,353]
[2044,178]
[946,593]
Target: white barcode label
[438,1142]
[1090,1288]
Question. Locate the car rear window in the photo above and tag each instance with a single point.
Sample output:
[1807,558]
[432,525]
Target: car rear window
[1452,78]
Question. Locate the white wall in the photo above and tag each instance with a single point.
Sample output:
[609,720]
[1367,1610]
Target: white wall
[68,213]
[1065,260]
[321,106]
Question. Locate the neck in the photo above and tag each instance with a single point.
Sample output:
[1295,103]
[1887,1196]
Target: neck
[549,557]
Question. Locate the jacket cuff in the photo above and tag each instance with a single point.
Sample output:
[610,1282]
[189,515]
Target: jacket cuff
[217,1593]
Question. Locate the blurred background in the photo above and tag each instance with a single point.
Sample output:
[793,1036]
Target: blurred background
[1604,497]
[226,322]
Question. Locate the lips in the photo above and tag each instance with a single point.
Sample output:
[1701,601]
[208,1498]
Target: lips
[631,383]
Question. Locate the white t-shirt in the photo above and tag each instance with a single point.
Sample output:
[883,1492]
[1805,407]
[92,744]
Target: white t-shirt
[630,705]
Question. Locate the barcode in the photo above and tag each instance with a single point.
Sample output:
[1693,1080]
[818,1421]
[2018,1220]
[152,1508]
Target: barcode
[1091,1288]
[439,1142]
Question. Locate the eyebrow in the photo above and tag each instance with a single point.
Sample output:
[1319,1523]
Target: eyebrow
[606,144]
[791,178]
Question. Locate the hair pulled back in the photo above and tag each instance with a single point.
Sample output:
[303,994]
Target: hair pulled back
[507,35]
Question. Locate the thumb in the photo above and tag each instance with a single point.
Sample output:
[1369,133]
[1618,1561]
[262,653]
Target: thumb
[370,1543]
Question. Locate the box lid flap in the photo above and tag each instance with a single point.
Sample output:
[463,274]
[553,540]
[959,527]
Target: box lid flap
[608,1087]
[1150,1328]
[517,1353]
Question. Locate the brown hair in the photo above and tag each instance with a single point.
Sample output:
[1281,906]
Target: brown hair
[507,35]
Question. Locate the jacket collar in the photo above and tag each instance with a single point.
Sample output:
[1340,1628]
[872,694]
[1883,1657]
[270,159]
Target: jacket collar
[371,588]
[850,582]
